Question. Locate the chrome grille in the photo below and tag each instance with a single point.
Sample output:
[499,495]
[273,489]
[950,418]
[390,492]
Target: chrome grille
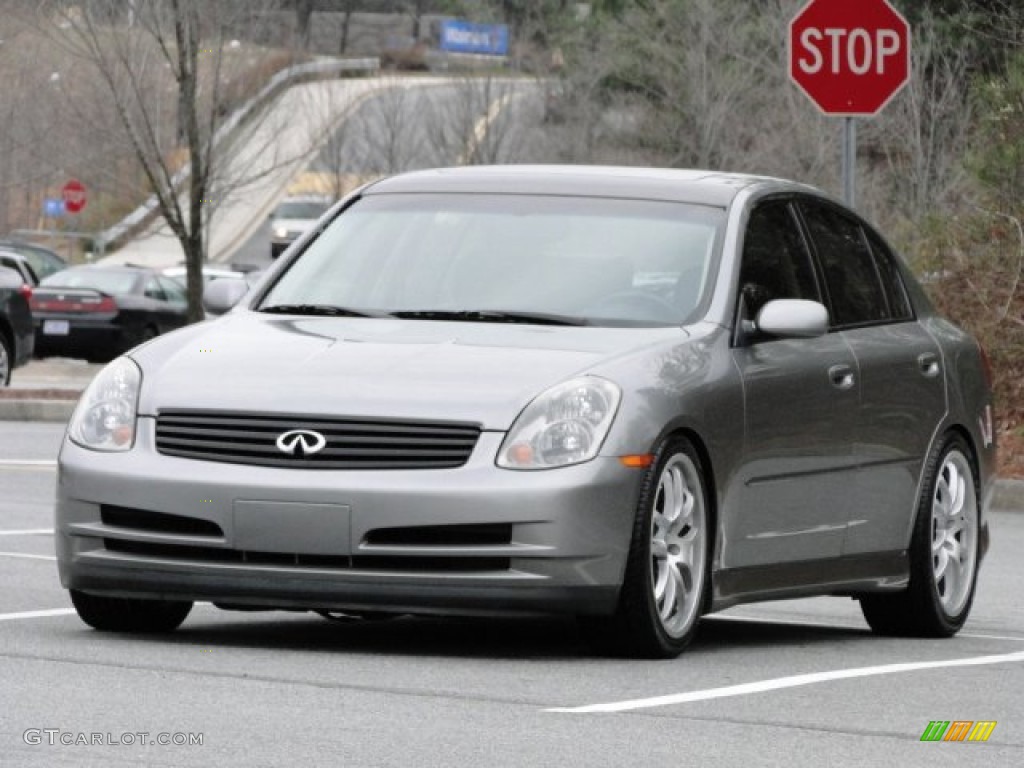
[246,438]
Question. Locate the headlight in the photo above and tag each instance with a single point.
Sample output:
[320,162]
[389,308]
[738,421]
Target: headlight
[104,419]
[565,425]
[281,233]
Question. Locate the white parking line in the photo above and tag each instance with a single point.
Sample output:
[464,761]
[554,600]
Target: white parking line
[789,682]
[27,556]
[36,614]
[28,464]
[786,622]
[29,532]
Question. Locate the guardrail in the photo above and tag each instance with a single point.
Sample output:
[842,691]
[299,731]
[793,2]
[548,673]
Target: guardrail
[286,78]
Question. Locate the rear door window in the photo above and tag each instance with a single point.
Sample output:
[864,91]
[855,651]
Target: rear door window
[175,293]
[854,285]
[154,291]
[892,280]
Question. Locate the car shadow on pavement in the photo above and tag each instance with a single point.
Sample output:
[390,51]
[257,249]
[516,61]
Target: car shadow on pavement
[544,638]
[739,633]
[403,635]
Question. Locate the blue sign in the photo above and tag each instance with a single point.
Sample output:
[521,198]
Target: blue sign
[466,37]
[53,207]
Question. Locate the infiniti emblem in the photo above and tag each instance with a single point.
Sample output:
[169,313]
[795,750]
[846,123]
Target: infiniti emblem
[301,442]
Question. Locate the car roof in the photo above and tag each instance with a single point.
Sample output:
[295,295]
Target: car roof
[137,273]
[128,268]
[306,199]
[7,243]
[206,270]
[712,188]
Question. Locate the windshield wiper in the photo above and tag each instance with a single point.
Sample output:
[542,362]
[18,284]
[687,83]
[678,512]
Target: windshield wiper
[326,310]
[491,316]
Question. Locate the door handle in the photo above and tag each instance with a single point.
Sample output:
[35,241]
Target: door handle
[842,377]
[928,364]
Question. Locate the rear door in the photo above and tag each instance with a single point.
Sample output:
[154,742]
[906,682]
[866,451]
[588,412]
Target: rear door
[902,386]
[791,493]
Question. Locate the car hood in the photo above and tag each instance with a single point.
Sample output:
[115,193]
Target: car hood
[386,368]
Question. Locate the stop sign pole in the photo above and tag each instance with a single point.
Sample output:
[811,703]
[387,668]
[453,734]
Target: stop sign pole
[850,59]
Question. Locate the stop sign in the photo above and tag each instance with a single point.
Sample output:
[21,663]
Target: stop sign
[850,58]
[74,196]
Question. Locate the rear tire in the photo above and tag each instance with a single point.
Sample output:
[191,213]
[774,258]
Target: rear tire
[943,553]
[668,567]
[122,614]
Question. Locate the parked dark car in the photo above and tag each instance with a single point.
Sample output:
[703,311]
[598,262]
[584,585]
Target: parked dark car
[15,324]
[43,261]
[98,312]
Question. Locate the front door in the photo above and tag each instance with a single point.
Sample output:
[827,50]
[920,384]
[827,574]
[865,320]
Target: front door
[790,499]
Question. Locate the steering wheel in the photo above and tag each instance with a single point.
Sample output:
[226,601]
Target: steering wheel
[644,305]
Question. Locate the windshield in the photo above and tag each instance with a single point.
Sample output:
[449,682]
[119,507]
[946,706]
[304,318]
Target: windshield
[300,210]
[112,283]
[605,262]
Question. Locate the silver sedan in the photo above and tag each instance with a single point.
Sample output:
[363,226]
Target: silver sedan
[630,395]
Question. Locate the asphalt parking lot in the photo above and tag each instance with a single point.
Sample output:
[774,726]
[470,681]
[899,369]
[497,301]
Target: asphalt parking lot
[788,684]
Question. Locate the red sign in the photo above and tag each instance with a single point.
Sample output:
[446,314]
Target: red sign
[850,58]
[74,196]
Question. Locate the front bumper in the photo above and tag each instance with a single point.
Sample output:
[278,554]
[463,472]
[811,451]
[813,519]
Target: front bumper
[475,540]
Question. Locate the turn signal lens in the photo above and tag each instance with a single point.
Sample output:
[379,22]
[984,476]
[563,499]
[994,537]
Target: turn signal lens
[638,461]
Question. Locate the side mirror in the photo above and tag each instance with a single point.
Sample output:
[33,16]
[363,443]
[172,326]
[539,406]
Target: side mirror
[221,295]
[793,319]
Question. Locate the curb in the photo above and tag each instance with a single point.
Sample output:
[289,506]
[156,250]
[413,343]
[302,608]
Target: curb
[36,410]
[1007,495]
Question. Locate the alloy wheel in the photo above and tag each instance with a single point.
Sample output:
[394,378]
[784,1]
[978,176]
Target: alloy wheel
[678,545]
[954,533]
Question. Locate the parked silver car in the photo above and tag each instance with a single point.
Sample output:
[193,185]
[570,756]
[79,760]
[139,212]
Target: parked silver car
[293,217]
[635,396]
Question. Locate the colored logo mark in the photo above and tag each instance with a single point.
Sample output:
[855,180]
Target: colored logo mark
[958,730]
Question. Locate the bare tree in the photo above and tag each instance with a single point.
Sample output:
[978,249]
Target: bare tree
[180,42]
[474,120]
[924,133]
[389,140]
[303,16]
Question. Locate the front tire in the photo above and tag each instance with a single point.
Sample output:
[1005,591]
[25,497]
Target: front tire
[943,553]
[122,614]
[668,568]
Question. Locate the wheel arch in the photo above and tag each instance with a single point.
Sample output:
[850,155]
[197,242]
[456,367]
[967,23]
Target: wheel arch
[941,436]
[711,487]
